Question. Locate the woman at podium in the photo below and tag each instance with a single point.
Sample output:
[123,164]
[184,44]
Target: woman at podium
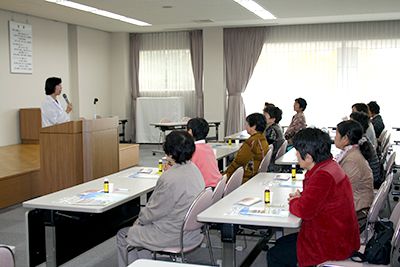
[52,111]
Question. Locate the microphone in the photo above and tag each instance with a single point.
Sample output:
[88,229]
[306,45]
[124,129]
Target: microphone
[66,99]
[95,100]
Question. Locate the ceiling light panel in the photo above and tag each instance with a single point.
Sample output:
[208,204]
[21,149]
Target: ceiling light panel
[99,12]
[255,8]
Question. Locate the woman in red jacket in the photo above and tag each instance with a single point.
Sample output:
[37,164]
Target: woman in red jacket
[329,229]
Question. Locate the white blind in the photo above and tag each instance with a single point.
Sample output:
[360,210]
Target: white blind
[165,68]
[332,66]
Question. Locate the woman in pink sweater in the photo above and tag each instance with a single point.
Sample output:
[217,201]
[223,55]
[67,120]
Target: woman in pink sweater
[203,156]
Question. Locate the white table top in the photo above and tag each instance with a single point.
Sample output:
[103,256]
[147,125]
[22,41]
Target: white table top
[220,211]
[290,158]
[155,263]
[243,135]
[223,150]
[125,187]
[179,123]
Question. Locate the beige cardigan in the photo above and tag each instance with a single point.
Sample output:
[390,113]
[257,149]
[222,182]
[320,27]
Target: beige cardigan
[159,223]
[361,179]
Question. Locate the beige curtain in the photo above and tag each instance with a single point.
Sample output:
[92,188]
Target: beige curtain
[242,47]
[134,40]
[196,54]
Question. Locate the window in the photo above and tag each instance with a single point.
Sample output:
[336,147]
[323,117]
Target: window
[165,67]
[331,75]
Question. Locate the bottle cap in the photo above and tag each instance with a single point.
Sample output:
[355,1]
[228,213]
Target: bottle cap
[105,180]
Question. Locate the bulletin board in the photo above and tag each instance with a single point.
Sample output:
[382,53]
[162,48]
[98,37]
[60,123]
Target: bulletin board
[20,47]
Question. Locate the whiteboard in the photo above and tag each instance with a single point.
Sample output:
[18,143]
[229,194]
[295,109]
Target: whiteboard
[20,47]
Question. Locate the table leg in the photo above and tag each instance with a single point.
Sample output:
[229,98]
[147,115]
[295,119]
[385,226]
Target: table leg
[50,239]
[216,131]
[228,238]
[224,164]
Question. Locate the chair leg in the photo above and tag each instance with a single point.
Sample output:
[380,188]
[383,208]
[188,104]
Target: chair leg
[209,245]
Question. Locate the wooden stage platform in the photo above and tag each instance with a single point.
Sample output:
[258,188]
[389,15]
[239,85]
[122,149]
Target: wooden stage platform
[19,173]
[20,170]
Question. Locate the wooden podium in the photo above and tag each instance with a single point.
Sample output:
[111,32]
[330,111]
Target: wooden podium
[77,151]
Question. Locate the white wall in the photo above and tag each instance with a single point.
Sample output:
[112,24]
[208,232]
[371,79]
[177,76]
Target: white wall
[79,55]
[94,61]
[120,87]
[50,58]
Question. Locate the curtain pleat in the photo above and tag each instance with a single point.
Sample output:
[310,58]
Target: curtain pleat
[242,47]
[196,54]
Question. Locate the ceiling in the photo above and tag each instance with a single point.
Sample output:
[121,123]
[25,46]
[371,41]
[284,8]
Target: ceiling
[194,14]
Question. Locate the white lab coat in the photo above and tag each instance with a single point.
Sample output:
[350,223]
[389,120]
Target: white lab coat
[53,112]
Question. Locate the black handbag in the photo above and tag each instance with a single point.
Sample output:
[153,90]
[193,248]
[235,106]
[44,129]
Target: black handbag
[378,248]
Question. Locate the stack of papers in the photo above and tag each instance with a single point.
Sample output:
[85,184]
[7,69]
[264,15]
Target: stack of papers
[146,173]
[248,201]
[92,198]
[283,176]
[264,211]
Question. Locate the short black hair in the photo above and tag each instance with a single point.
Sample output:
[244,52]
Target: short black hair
[50,85]
[179,145]
[352,129]
[258,120]
[274,112]
[314,142]
[361,107]
[199,127]
[374,107]
[302,103]
[362,118]
[267,105]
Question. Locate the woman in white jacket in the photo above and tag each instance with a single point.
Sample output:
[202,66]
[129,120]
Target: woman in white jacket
[52,111]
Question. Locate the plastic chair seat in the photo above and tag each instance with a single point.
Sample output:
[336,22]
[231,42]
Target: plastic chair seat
[177,250]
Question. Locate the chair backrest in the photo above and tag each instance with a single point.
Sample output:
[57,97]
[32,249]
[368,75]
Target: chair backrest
[6,257]
[388,166]
[234,181]
[395,253]
[395,216]
[378,203]
[219,189]
[281,150]
[266,160]
[385,146]
[202,201]
[382,137]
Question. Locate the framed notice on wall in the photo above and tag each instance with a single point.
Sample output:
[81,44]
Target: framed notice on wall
[20,47]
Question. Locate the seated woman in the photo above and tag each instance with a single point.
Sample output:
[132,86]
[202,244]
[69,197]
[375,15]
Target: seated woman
[376,118]
[273,132]
[370,131]
[203,156]
[159,223]
[329,229]
[353,161]
[253,149]
[372,157]
[298,120]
